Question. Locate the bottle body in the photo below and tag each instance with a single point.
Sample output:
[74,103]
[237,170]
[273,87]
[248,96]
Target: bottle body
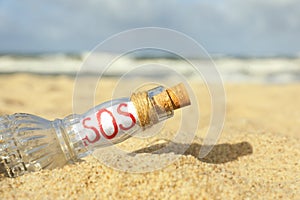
[29,143]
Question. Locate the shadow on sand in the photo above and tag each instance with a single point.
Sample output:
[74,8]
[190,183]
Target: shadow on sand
[221,153]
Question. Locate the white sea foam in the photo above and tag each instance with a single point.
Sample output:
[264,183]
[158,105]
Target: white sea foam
[269,70]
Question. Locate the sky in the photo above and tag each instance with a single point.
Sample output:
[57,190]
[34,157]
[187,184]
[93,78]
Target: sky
[229,27]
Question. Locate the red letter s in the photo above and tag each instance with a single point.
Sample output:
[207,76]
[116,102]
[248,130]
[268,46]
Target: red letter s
[127,114]
[93,129]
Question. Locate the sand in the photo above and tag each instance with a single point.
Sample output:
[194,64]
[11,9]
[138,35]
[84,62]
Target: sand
[257,155]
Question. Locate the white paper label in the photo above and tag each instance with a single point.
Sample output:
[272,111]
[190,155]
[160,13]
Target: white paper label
[108,123]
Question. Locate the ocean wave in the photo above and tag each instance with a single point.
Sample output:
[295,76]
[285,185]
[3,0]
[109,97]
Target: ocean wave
[232,69]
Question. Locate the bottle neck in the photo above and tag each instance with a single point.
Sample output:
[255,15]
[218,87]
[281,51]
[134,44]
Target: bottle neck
[69,139]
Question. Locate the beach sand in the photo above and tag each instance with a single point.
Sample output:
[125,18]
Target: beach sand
[257,155]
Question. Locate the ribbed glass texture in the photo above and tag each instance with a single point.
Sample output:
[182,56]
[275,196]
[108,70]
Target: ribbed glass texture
[28,143]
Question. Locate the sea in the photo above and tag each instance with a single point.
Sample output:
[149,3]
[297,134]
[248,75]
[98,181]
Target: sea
[232,69]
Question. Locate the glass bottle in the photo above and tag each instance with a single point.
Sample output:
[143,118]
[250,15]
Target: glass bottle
[30,143]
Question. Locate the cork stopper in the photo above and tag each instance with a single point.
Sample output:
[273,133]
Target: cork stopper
[179,96]
[160,106]
[172,98]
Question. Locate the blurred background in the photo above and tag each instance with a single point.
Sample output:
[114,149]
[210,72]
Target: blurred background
[255,44]
[256,41]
